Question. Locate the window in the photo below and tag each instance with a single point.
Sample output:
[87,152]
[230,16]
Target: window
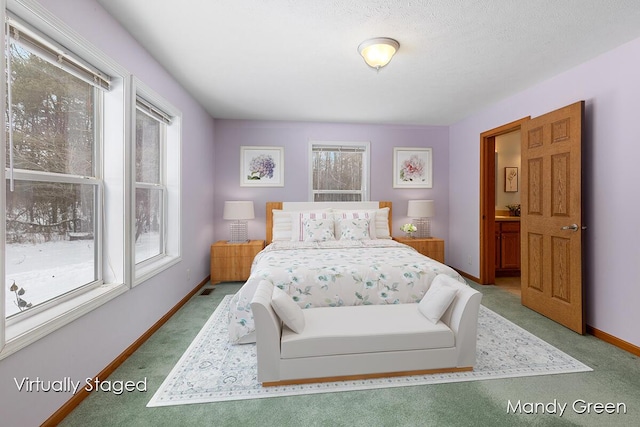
[53,190]
[156,227]
[91,199]
[339,171]
[150,188]
[63,241]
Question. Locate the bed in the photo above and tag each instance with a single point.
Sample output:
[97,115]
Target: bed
[329,254]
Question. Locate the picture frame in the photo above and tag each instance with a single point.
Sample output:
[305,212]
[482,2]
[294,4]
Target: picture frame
[261,166]
[412,167]
[510,179]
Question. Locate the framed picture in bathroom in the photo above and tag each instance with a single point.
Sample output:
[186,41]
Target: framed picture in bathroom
[510,179]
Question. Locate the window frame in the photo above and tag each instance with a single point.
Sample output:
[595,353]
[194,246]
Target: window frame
[113,263]
[24,32]
[366,162]
[171,148]
[21,175]
[160,185]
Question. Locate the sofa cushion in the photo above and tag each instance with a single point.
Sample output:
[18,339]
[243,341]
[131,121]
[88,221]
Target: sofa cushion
[364,329]
[287,310]
[438,297]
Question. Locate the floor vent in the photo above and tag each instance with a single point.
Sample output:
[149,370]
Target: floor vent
[207,291]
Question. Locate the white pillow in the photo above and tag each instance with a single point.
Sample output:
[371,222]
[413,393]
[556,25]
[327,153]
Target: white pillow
[318,229]
[353,228]
[287,310]
[281,225]
[438,298]
[370,215]
[382,224]
[297,222]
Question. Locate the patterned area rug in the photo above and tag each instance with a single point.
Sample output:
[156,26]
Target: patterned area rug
[212,370]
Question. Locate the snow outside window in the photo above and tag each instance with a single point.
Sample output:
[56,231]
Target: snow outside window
[156,196]
[150,188]
[52,188]
[92,179]
[62,238]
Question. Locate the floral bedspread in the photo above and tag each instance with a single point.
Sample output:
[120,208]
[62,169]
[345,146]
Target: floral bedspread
[336,273]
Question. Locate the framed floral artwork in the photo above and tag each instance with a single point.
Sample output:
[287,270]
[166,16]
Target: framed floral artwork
[261,166]
[412,167]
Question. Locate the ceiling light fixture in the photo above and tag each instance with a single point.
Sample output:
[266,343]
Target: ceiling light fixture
[378,52]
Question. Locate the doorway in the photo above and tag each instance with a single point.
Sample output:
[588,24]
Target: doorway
[488,199]
[551,279]
[507,212]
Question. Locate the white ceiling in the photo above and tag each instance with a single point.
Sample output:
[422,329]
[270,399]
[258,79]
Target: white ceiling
[298,60]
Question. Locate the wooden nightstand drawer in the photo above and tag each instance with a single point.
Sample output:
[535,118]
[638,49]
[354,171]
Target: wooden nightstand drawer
[231,262]
[433,247]
[230,250]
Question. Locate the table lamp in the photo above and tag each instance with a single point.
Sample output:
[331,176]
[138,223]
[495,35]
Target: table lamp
[422,210]
[239,212]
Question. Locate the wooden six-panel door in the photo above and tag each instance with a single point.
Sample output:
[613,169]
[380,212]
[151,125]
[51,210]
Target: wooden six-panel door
[551,221]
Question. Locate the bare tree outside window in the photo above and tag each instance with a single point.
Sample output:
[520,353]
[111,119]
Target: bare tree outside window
[51,204]
[338,172]
[150,191]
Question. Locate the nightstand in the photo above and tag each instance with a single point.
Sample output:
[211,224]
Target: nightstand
[231,262]
[432,247]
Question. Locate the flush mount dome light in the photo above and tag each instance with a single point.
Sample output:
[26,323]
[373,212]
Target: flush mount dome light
[378,52]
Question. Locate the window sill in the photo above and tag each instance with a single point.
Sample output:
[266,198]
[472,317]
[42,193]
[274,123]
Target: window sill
[28,330]
[147,270]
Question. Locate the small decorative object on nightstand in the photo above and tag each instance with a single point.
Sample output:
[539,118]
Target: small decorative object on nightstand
[408,229]
[432,247]
[231,262]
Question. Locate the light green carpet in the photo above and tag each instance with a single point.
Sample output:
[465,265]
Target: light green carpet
[483,403]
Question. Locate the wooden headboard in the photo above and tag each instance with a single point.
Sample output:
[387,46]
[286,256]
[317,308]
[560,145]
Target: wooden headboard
[279,205]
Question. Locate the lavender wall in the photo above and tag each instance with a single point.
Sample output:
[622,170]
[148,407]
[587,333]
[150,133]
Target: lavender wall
[84,347]
[610,86]
[294,137]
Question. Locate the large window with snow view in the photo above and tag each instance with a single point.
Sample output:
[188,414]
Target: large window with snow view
[156,195]
[150,192]
[91,196]
[53,190]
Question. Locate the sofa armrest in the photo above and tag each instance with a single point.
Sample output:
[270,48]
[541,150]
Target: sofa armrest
[462,318]
[268,333]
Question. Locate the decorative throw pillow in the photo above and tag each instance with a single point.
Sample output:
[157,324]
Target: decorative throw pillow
[339,215]
[438,298]
[287,310]
[354,228]
[318,230]
[297,222]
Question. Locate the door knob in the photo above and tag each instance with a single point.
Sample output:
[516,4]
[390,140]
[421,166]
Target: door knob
[572,227]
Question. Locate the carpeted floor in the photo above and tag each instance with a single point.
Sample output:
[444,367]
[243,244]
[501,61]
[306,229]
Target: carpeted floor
[614,379]
[213,370]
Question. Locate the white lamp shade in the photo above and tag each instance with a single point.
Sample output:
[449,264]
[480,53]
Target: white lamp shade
[238,210]
[421,209]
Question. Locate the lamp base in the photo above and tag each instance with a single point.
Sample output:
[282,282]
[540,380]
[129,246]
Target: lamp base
[239,232]
[424,228]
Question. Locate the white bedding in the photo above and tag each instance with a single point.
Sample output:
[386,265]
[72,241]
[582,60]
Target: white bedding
[335,273]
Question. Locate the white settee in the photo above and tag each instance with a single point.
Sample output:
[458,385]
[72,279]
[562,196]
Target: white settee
[364,341]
